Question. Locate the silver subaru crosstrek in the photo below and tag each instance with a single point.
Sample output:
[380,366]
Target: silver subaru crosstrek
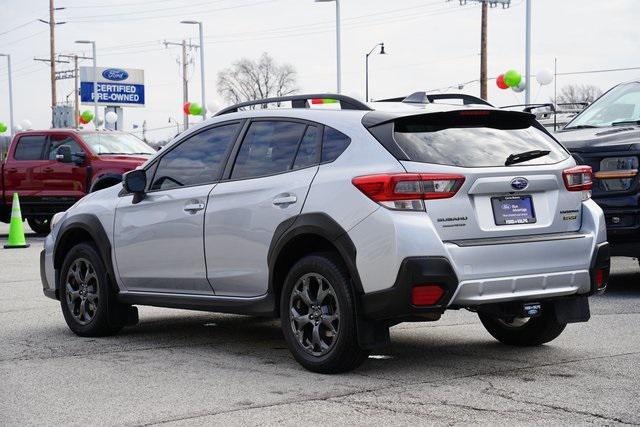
[342,222]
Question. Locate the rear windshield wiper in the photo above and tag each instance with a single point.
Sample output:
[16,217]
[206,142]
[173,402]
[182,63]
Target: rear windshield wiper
[626,122]
[523,157]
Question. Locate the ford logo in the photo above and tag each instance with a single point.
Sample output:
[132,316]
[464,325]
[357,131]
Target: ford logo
[115,74]
[519,183]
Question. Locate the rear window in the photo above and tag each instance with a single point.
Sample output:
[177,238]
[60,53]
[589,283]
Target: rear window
[30,147]
[481,141]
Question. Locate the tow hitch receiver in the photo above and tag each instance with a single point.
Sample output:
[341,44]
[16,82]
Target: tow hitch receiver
[531,309]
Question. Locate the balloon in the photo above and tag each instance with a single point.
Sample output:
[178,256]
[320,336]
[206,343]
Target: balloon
[500,82]
[111,117]
[512,78]
[544,77]
[212,107]
[195,109]
[521,86]
[3,127]
[17,128]
[26,124]
[82,120]
[99,121]
[87,115]
[185,107]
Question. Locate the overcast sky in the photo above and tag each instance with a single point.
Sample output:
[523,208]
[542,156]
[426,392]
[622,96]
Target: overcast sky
[431,44]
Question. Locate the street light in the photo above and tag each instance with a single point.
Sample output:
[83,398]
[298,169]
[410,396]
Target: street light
[382,52]
[95,80]
[338,49]
[202,80]
[10,93]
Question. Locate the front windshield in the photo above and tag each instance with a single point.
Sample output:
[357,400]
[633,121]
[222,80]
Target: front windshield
[620,104]
[116,143]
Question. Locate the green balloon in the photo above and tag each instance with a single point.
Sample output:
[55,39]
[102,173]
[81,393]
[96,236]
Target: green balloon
[195,109]
[87,116]
[512,78]
[3,127]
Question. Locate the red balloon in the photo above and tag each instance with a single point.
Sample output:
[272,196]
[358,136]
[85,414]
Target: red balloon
[501,83]
[83,121]
[185,107]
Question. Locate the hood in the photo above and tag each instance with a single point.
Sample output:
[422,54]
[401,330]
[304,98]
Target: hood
[137,159]
[613,138]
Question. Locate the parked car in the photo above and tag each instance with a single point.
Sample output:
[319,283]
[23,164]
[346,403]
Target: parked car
[52,169]
[606,136]
[342,223]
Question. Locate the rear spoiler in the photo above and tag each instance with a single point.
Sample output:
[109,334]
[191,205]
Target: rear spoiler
[427,98]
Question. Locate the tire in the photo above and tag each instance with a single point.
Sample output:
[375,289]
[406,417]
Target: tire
[334,348]
[40,224]
[522,332]
[101,314]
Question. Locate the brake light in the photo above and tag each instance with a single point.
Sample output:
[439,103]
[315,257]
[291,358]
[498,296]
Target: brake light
[422,295]
[406,191]
[579,178]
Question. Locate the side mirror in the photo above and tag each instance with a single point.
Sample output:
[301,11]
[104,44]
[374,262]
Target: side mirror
[63,154]
[135,182]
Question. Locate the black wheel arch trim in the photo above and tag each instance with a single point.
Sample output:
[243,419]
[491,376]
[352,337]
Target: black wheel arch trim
[319,224]
[105,177]
[93,227]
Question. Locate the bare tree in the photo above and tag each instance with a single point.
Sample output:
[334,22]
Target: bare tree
[574,93]
[248,80]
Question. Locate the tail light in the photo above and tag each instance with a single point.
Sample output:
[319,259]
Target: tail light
[579,178]
[422,295]
[406,191]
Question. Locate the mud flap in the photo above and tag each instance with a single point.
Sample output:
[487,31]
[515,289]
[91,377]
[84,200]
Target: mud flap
[572,310]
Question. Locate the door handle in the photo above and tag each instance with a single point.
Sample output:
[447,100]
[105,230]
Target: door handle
[194,207]
[285,200]
[47,170]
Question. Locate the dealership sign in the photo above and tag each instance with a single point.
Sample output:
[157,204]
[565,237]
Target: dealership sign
[116,86]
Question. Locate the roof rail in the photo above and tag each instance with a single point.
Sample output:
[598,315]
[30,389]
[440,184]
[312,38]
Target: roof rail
[301,101]
[528,108]
[429,98]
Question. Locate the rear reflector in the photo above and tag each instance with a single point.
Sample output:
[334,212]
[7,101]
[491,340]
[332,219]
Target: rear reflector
[600,281]
[391,189]
[423,295]
[579,178]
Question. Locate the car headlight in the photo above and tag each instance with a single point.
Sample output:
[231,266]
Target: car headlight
[56,219]
[617,173]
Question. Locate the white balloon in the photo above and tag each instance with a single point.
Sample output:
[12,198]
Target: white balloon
[26,124]
[544,77]
[17,128]
[111,117]
[521,86]
[212,107]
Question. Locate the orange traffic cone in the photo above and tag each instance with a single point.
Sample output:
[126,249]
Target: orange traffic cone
[16,228]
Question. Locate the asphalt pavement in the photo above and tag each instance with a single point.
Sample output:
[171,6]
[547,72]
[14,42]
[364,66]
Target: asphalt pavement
[192,368]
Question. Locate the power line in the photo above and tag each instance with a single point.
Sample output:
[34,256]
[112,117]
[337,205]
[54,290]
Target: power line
[18,27]
[113,6]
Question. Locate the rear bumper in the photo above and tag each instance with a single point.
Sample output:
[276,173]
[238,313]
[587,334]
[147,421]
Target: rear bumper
[394,304]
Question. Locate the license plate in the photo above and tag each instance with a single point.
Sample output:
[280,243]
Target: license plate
[513,210]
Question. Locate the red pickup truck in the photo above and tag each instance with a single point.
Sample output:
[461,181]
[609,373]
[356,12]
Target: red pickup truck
[52,169]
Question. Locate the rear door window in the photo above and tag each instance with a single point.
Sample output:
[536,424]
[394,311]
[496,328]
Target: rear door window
[30,147]
[308,151]
[473,142]
[269,147]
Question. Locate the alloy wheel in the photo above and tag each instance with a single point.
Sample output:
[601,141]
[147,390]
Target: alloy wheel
[315,314]
[81,291]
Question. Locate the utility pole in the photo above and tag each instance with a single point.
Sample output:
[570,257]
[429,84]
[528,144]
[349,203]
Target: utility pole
[52,51]
[527,72]
[11,122]
[484,93]
[76,76]
[185,79]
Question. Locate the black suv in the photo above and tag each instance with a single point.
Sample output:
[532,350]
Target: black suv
[606,136]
